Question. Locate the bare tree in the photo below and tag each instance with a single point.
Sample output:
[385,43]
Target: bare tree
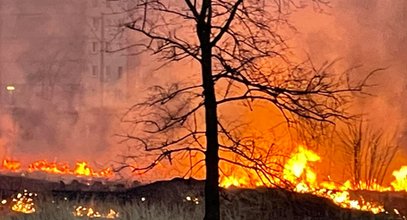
[371,150]
[242,59]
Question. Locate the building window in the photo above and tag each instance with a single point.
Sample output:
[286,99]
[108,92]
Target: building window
[107,73]
[119,72]
[95,3]
[94,71]
[94,47]
[95,23]
[108,46]
[108,3]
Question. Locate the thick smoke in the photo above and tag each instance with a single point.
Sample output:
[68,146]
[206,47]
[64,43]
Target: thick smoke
[53,115]
[54,112]
[367,34]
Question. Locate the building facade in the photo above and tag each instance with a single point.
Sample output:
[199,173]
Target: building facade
[107,62]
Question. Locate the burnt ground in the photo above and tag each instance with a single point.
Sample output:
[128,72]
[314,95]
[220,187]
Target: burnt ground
[262,203]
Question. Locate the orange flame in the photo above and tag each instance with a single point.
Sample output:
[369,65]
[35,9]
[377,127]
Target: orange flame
[81,168]
[400,183]
[298,172]
[228,181]
[297,168]
[11,165]
[48,167]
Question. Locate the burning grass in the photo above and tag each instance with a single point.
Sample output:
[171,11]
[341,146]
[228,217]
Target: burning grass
[140,203]
[81,168]
[310,198]
[28,205]
[300,175]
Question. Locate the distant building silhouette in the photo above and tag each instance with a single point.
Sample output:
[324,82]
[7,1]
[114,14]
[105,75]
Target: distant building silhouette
[61,84]
[60,53]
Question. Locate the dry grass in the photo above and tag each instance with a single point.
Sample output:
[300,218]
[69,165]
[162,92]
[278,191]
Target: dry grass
[236,204]
[260,208]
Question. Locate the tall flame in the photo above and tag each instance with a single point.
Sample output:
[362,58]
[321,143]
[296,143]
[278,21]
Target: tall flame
[297,168]
[400,183]
[298,172]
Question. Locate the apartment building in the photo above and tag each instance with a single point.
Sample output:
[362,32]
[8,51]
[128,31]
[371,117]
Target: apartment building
[61,83]
[62,53]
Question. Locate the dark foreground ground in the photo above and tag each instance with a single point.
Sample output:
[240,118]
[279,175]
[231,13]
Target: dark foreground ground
[182,199]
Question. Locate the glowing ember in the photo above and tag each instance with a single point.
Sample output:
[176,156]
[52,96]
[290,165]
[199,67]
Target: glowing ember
[82,211]
[24,202]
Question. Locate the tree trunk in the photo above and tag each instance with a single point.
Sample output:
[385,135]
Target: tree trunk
[211,157]
[212,209]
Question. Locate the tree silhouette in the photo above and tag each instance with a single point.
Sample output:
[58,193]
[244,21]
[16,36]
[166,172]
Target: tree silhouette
[242,59]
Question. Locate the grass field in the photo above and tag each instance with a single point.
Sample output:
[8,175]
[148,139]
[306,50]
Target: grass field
[236,204]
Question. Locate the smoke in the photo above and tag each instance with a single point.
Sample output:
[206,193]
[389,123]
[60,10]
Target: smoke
[54,112]
[364,34]
[369,34]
